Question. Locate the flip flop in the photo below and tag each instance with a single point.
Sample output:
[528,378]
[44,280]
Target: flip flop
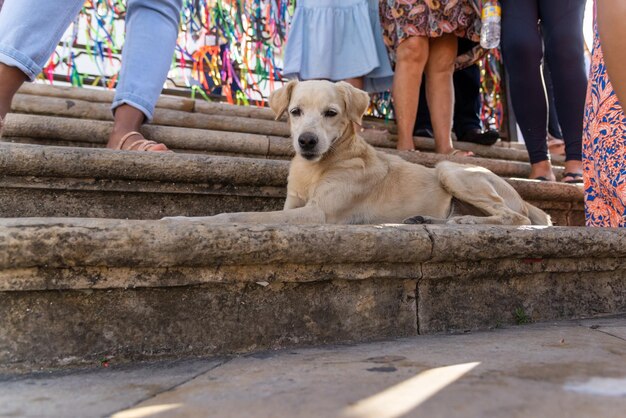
[141,145]
[577,178]
[541,178]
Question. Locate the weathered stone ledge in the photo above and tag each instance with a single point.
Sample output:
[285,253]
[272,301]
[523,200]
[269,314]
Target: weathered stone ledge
[75,290]
[75,242]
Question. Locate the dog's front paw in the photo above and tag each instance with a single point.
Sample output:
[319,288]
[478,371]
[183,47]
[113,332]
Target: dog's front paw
[417,220]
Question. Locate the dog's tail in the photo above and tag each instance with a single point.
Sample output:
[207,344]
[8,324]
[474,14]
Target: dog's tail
[537,216]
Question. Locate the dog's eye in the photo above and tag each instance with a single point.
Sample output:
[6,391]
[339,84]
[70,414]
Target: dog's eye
[330,113]
[295,112]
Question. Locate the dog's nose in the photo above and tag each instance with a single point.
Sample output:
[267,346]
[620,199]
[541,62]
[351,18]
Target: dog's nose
[307,141]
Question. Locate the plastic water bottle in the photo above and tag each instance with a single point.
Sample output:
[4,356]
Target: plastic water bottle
[490,32]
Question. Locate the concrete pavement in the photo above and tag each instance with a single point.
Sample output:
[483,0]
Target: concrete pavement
[566,369]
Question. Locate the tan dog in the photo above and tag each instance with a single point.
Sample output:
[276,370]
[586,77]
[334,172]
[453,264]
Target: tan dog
[336,177]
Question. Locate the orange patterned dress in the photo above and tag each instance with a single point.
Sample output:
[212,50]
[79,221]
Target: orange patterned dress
[604,149]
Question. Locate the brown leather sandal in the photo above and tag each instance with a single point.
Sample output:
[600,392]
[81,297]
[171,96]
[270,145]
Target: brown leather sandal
[141,145]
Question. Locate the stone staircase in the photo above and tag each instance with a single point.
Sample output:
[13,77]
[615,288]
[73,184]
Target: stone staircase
[87,271]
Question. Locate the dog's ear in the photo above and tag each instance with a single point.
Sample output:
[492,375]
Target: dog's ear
[279,99]
[357,101]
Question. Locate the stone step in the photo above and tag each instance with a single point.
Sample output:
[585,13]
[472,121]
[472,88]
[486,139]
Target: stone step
[75,291]
[58,131]
[164,102]
[174,111]
[78,290]
[46,130]
[37,181]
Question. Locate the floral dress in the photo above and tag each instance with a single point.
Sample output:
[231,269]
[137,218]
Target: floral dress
[402,19]
[604,149]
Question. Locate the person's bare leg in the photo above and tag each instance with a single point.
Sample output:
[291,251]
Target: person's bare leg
[411,57]
[356,82]
[151,32]
[440,89]
[129,119]
[11,78]
[611,14]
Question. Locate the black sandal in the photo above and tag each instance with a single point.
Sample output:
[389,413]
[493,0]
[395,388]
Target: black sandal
[577,178]
[540,178]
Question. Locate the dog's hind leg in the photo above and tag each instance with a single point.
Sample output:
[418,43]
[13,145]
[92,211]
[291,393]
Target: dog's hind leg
[487,192]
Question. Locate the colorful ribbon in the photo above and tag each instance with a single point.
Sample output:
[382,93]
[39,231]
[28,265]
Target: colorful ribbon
[229,49]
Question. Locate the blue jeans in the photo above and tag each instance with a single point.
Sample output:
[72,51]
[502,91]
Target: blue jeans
[31,29]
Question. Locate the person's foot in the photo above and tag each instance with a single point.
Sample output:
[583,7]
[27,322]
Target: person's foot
[406,144]
[125,135]
[423,132]
[134,141]
[542,171]
[461,153]
[573,172]
[477,136]
[445,147]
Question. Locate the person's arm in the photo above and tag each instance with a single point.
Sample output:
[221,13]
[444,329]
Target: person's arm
[611,15]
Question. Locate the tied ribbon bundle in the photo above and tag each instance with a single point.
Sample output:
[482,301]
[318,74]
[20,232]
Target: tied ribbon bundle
[100,43]
[492,108]
[227,48]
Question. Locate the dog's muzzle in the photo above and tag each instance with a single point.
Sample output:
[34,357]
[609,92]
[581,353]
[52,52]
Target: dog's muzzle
[307,142]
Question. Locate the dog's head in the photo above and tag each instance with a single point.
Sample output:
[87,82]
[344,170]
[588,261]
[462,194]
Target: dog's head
[320,112]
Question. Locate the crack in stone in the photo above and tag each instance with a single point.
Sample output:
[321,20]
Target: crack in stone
[421,277]
[171,388]
[608,333]
[432,242]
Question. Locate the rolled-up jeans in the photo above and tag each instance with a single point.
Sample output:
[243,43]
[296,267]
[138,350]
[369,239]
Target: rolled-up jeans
[31,29]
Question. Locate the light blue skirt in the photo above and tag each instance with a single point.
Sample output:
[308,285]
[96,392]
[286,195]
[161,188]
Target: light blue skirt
[336,40]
